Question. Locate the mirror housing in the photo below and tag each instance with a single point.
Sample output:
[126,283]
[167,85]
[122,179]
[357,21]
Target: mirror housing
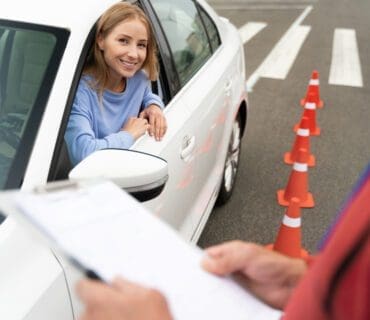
[140,174]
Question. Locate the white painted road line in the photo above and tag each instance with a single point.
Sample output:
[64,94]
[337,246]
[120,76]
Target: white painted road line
[249,30]
[253,79]
[282,57]
[345,66]
[262,4]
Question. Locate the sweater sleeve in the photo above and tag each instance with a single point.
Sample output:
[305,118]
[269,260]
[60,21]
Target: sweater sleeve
[151,98]
[80,137]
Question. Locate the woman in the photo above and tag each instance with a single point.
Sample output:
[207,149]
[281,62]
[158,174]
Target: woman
[115,86]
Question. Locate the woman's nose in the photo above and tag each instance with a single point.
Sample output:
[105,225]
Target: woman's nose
[132,52]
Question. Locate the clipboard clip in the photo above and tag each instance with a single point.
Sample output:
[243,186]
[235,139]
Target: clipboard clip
[57,186]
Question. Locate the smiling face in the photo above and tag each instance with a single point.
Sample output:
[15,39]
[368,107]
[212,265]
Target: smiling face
[124,49]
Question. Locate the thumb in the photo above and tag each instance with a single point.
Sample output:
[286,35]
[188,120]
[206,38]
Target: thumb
[90,291]
[228,257]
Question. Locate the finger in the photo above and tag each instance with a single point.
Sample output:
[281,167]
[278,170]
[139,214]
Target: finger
[164,127]
[120,283]
[228,258]
[148,128]
[91,291]
[152,124]
[158,126]
[130,289]
[84,316]
[161,127]
[124,285]
[142,114]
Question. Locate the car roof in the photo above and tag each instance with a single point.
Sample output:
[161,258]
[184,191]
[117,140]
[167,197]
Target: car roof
[64,14]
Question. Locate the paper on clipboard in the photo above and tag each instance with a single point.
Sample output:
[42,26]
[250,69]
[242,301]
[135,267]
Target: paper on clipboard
[109,232]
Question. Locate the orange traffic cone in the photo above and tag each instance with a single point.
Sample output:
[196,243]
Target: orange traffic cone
[288,240]
[298,183]
[302,140]
[313,87]
[310,113]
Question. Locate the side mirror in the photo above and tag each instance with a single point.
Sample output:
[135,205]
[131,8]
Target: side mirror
[140,174]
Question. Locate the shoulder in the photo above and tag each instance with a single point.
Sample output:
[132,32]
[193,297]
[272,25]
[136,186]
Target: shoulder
[85,89]
[85,94]
[86,84]
[138,82]
[141,76]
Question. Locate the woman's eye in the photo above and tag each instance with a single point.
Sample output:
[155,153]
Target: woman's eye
[124,41]
[142,45]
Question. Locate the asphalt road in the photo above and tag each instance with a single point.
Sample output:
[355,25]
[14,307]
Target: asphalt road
[343,148]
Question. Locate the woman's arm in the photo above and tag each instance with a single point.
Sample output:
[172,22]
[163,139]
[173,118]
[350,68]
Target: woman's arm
[154,114]
[80,137]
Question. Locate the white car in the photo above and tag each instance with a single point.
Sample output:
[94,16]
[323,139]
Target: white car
[43,46]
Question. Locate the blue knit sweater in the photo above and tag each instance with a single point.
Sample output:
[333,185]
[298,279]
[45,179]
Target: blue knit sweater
[93,125]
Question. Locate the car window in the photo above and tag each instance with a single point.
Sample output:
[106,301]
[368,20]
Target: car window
[29,58]
[186,35]
[211,28]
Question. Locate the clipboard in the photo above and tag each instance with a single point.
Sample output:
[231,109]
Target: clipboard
[104,232]
[9,206]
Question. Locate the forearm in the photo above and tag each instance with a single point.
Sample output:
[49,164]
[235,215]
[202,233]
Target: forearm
[150,98]
[79,148]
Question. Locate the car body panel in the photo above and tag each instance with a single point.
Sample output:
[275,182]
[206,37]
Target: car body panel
[30,277]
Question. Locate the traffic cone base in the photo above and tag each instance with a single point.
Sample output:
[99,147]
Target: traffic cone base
[305,203]
[304,254]
[319,105]
[289,237]
[315,132]
[311,159]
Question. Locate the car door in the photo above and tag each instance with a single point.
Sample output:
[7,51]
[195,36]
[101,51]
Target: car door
[32,281]
[215,102]
[195,117]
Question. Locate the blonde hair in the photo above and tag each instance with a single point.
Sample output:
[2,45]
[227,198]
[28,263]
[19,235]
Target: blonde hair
[95,64]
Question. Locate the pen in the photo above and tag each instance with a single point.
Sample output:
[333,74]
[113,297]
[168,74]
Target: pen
[91,274]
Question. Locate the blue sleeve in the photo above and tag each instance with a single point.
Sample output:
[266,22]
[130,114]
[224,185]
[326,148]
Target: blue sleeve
[80,136]
[151,98]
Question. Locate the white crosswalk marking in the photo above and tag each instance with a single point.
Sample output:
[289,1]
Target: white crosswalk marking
[345,66]
[249,30]
[282,57]
[288,45]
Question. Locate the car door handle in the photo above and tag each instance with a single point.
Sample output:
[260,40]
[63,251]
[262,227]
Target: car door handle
[228,85]
[188,146]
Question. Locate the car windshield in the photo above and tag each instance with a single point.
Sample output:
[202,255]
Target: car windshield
[29,57]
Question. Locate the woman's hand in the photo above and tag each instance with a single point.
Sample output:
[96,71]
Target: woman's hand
[157,121]
[122,300]
[269,275]
[136,127]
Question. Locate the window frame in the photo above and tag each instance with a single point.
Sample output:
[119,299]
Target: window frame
[165,49]
[19,164]
[164,72]
[58,149]
[167,67]
[200,10]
